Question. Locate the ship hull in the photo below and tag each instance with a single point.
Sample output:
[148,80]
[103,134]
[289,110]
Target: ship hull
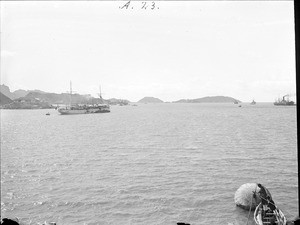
[284,103]
[64,111]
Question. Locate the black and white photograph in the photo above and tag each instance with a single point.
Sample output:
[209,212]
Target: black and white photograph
[148,112]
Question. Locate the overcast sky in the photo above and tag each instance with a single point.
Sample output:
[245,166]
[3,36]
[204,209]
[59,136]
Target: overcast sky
[180,49]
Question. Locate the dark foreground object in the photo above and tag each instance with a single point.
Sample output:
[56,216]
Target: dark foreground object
[6,221]
[297,221]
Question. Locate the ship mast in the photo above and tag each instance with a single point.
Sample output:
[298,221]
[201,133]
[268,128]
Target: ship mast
[100,92]
[100,96]
[70,93]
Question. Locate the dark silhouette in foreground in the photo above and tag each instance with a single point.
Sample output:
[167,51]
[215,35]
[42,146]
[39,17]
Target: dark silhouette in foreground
[6,221]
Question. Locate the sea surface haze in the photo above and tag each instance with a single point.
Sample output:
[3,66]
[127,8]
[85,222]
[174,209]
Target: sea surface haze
[149,164]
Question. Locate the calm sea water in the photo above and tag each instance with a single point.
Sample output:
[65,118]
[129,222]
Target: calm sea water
[150,164]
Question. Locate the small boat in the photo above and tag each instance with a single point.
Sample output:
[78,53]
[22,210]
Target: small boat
[264,217]
[47,114]
[253,102]
[267,213]
[240,105]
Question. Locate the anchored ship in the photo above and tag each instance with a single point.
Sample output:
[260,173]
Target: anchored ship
[84,108]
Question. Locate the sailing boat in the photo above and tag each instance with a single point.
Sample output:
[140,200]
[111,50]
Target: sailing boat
[72,109]
[253,102]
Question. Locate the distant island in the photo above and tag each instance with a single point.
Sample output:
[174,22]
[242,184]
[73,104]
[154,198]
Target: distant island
[210,99]
[150,100]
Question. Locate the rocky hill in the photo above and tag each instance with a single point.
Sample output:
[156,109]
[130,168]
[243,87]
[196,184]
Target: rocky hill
[4,99]
[209,99]
[64,98]
[15,94]
[150,100]
[5,90]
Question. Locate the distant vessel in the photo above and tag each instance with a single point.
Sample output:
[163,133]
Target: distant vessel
[47,114]
[72,109]
[236,102]
[284,101]
[253,102]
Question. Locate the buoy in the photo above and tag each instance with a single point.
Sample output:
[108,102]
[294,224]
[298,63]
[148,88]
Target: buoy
[246,196]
